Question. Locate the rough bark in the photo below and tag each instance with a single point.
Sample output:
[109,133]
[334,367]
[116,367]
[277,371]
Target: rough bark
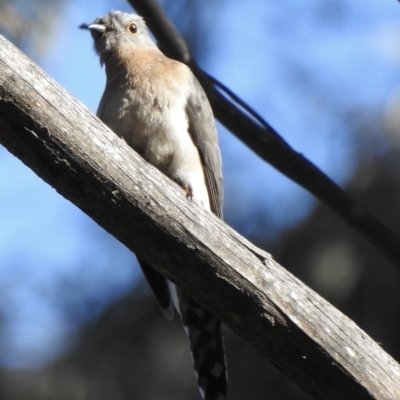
[302,334]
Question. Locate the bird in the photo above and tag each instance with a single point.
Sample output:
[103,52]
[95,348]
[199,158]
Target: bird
[160,109]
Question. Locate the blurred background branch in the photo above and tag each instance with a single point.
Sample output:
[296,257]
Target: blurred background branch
[266,142]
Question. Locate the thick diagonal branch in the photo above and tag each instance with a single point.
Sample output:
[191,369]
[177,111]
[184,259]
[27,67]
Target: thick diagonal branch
[67,146]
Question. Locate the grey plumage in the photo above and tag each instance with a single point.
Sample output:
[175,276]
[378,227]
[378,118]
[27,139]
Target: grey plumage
[160,109]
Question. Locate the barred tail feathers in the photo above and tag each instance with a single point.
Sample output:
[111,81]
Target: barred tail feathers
[207,347]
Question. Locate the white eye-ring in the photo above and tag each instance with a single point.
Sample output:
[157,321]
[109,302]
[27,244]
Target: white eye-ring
[132,28]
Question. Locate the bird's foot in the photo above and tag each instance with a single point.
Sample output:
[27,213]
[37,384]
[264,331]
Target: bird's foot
[189,192]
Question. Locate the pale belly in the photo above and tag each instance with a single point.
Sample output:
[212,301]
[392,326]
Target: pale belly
[161,136]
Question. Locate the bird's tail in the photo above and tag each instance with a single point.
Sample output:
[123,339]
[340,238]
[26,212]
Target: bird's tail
[207,346]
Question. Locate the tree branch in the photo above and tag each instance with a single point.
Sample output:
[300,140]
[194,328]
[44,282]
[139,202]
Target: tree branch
[298,331]
[266,142]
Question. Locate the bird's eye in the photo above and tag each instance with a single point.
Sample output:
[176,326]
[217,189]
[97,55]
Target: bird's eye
[132,28]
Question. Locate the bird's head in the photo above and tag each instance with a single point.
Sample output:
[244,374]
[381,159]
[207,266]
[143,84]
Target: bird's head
[118,30]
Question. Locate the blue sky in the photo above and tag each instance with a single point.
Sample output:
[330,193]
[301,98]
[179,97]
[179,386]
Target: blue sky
[299,64]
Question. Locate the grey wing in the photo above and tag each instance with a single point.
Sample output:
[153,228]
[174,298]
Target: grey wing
[160,288]
[203,132]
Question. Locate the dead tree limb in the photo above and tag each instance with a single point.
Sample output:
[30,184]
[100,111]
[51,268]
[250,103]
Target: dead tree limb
[297,330]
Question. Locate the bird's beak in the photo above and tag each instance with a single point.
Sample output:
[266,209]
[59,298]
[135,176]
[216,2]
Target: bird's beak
[95,27]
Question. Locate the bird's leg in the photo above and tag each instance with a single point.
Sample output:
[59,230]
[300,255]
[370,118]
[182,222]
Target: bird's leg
[189,192]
